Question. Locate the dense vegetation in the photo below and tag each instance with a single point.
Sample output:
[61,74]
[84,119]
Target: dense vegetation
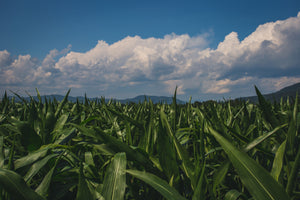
[99,150]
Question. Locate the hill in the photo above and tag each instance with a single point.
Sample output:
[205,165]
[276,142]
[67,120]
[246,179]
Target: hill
[289,91]
[154,99]
[137,99]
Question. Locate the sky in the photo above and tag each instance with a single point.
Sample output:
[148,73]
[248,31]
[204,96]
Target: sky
[121,49]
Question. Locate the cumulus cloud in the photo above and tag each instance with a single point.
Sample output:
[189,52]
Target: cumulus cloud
[269,58]
[16,71]
[26,73]
[134,61]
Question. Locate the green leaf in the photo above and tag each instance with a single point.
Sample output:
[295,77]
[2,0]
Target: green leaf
[115,178]
[21,98]
[11,154]
[14,184]
[64,136]
[220,174]
[126,118]
[198,192]
[257,180]
[104,149]
[43,188]
[38,95]
[62,103]
[181,152]
[232,195]
[30,158]
[158,184]
[167,156]
[35,168]
[174,107]
[83,191]
[293,176]
[61,121]
[88,158]
[29,138]
[116,145]
[268,113]
[278,161]
[292,132]
[2,155]
[261,138]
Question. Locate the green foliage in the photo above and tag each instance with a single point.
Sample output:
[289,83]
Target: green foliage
[16,186]
[159,184]
[258,181]
[108,150]
[115,178]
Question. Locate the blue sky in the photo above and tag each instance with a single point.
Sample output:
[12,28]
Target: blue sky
[125,48]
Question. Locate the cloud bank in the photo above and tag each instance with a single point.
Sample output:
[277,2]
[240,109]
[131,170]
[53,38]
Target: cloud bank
[268,58]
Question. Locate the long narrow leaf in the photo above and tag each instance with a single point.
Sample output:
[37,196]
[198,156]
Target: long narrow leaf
[116,145]
[268,113]
[43,188]
[292,132]
[181,152]
[198,192]
[220,174]
[115,178]
[158,184]
[278,161]
[83,191]
[30,158]
[35,168]
[257,180]
[16,186]
[62,103]
[233,195]
[167,156]
[261,138]
[2,155]
[293,176]
[126,118]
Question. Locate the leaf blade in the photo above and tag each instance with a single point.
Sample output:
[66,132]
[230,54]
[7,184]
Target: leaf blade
[188,167]
[115,178]
[83,191]
[257,180]
[15,185]
[158,184]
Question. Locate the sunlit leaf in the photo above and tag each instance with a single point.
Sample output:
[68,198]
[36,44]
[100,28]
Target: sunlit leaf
[115,178]
[258,181]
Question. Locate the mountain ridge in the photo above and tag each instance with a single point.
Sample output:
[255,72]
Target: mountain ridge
[289,91]
[137,99]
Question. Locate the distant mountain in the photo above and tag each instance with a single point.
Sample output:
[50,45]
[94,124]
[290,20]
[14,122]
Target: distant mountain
[137,99]
[154,99]
[50,97]
[289,91]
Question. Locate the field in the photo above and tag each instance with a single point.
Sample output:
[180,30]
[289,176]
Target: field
[98,150]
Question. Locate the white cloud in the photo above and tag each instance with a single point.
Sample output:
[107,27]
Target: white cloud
[17,71]
[172,86]
[4,59]
[133,60]
[222,86]
[25,73]
[269,57]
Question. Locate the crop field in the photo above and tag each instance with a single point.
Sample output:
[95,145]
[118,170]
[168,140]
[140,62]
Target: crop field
[108,150]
